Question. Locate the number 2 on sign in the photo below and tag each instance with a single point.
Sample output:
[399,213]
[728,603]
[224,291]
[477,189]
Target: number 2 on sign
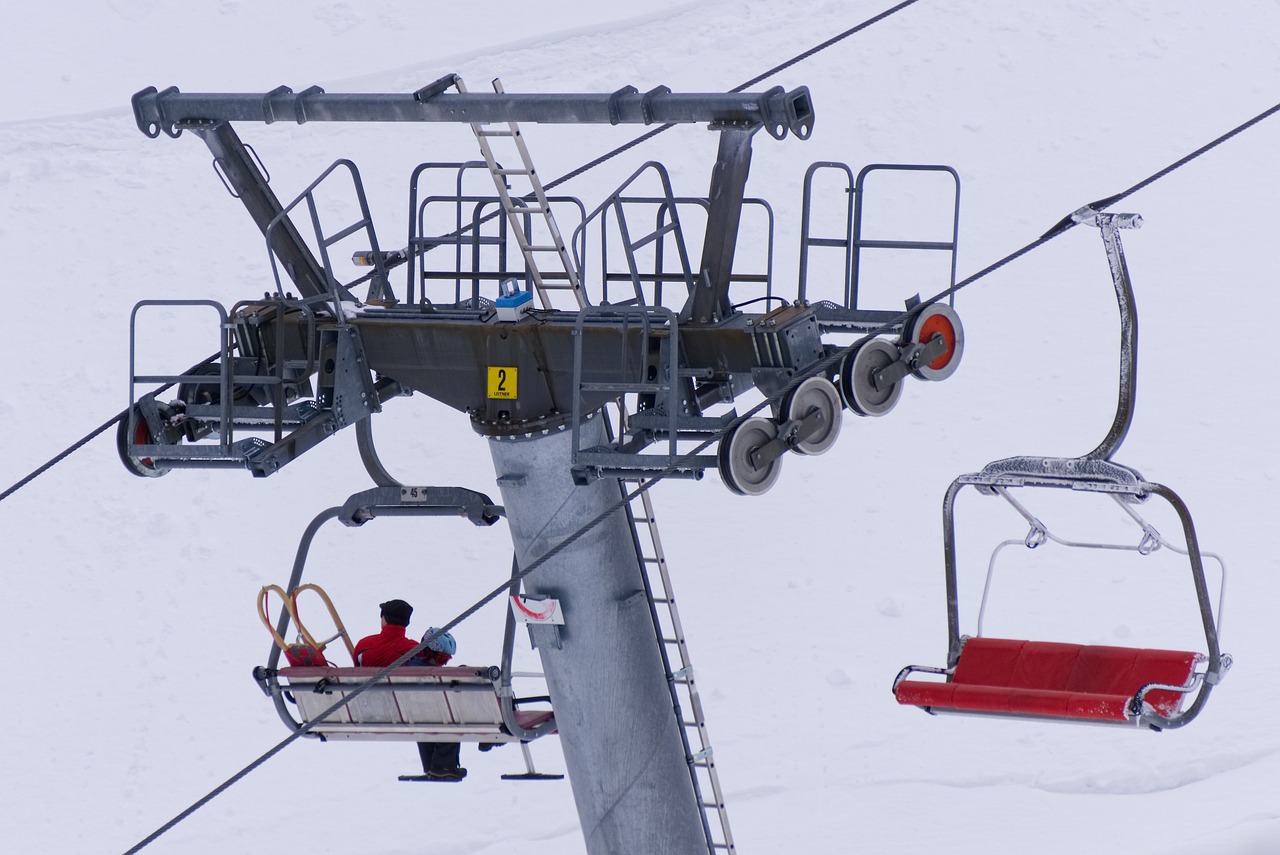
[502,381]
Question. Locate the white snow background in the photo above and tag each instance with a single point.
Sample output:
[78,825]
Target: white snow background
[127,604]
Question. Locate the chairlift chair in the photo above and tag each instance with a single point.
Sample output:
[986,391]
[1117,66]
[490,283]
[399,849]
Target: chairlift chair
[1071,682]
[412,703]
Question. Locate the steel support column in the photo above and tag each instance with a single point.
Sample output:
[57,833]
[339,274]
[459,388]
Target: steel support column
[710,300]
[604,670]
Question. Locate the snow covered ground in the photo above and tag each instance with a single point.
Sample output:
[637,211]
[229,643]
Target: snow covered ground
[128,604]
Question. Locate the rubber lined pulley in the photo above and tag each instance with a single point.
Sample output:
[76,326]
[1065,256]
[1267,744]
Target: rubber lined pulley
[938,319]
[737,470]
[816,393]
[133,430]
[858,382]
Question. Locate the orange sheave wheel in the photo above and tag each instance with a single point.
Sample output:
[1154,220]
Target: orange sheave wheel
[938,319]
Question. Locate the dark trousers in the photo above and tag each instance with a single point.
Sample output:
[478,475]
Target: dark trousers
[439,755]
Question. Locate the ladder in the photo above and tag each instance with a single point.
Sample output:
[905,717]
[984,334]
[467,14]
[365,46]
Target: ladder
[675,658]
[519,210]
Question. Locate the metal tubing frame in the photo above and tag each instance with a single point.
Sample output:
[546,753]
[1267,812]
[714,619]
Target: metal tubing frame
[337,291]
[665,389]
[858,244]
[225,377]
[614,201]
[806,240]
[1218,663]
[669,207]
[417,223]
[356,511]
[1109,225]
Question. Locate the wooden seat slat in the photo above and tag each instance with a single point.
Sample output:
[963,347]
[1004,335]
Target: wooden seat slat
[424,704]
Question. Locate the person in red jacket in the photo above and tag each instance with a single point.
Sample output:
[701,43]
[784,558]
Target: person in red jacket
[379,651]
[439,760]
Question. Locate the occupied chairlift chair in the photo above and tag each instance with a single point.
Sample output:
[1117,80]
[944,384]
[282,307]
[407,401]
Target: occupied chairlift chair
[412,704]
[1071,682]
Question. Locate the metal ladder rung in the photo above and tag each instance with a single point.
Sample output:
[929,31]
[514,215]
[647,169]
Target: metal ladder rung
[515,207]
[680,671]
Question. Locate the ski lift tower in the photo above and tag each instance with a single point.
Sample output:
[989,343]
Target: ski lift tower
[534,362]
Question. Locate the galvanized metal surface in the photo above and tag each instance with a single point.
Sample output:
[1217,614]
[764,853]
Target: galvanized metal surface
[621,741]
[170,111]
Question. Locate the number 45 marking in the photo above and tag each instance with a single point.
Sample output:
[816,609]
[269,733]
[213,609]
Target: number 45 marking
[502,381]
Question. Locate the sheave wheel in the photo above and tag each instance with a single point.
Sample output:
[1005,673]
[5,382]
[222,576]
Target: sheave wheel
[816,393]
[857,379]
[736,469]
[134,424]
[935,319]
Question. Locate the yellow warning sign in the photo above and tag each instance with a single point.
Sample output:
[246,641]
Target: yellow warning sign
[502,381]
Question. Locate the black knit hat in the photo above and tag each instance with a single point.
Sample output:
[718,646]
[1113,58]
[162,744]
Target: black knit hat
[396,612]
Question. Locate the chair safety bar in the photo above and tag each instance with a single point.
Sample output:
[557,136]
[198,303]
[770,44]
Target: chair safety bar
[1151,541]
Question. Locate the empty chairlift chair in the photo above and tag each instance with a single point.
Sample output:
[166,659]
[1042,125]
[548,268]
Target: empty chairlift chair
[1065,682]
[1072,682]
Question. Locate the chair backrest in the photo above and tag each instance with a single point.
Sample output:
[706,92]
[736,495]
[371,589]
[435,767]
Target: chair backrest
[1084,669]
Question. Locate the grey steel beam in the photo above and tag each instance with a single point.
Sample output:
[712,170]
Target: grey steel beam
[709,301]
[172,111]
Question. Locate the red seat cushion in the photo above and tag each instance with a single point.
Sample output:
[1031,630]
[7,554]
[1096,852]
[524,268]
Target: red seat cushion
[1044,665]
[1044,678]
[1103,671]
[531,719]
[981,698]
[1098,706]
[920,693]
[988,661]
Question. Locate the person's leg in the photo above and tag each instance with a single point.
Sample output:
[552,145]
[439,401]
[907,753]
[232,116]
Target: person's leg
[447,755]
[425,752]
[443,761]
